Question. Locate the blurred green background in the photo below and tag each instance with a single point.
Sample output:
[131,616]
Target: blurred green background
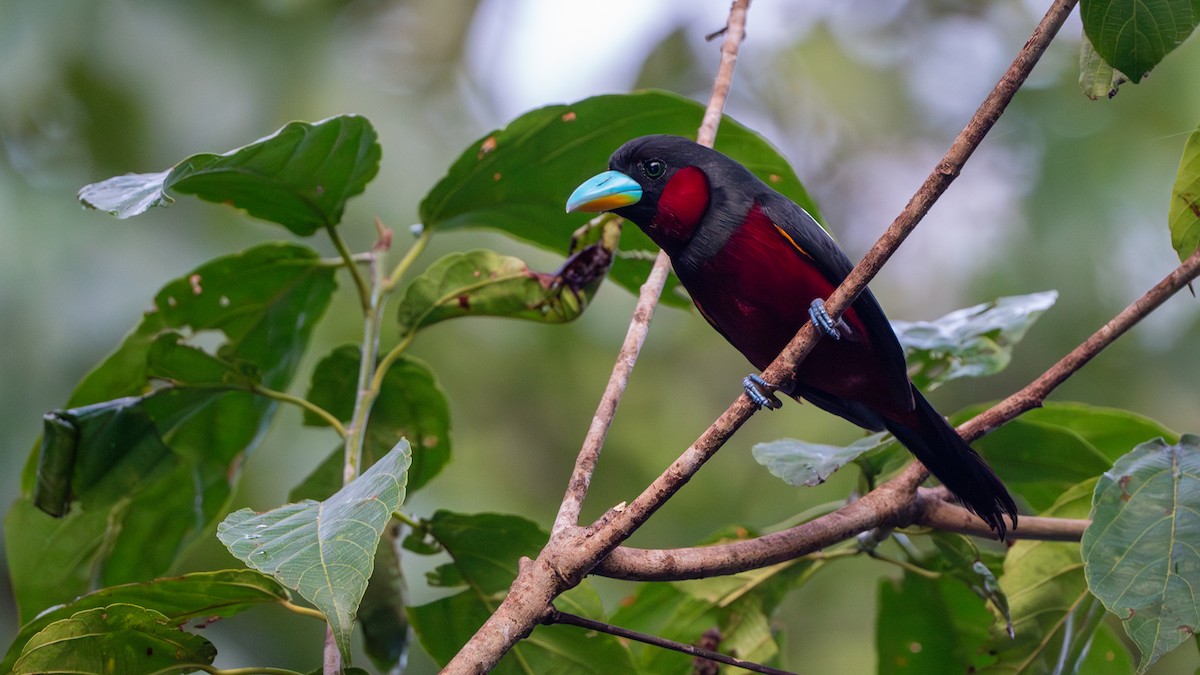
[1065,194]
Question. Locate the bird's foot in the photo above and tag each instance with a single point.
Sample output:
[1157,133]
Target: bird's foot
[761,392]
[822,322]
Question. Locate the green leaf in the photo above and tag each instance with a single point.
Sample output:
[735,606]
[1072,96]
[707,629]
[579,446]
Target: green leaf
[930,626]
[738,608]
[970,342]
[200,596]
[1111,431]
[1184,214]
[382,612]
[810,464]
[485,283]
[118,638]
[1053,615]
[1139,552]
[1133,36]
[300,177]
[411,405]
[324,550]
[151,467]
[485,550]
[517,179]
[1096,77]
[1086,440]
[959,558]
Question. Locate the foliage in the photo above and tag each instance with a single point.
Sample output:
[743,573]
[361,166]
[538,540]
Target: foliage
[141,461]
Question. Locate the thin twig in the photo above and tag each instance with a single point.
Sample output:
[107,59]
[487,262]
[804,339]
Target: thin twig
[651,290]
[364,294]
[564,618]
[539,582]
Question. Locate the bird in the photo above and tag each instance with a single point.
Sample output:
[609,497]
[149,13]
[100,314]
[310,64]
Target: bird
[757,267]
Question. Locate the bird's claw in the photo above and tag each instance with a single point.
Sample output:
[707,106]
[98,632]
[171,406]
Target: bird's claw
[821,321]
[761,392]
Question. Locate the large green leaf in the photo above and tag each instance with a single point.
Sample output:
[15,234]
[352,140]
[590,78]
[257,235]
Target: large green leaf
[117,638]
[1134,35]
[410,405]
[199,596]
[970,342]
[1085,441]
[147,468]
[301,176]
[485,550]
[1140,552]
[324,550]
[1054,616]
[1184,214]
[738,607]
[930,626]
[517,179]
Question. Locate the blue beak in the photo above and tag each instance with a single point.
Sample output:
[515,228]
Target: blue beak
[605,192]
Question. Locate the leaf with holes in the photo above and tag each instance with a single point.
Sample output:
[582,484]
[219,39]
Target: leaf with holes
[117,638]
[300,177]
[203,596]
[485,283]
[1139,553]
[141,471]
[324,550]
[517,179]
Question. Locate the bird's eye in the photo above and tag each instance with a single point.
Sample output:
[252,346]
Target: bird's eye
[654,168]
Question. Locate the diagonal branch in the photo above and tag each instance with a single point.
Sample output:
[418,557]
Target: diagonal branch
[639,324]
[573,552]
[898,502]
[619,525]
[566,559]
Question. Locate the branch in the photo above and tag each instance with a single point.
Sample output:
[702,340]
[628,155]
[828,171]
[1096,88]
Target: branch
[898,503]
[538,582]
[639,324]
[619,525]
[691,650]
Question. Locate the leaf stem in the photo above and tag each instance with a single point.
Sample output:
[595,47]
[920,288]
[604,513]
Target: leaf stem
[364,294]
[284,397]
[905,565]
[265,392]
[388,359]
[302,610]
[408,520]
[415,250]
[213,670]
[365,398]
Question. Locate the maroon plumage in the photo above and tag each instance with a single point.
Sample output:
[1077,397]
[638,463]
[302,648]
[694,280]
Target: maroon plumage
[753,261]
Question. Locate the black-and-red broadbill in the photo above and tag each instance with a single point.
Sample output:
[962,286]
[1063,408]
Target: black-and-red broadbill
[758,266]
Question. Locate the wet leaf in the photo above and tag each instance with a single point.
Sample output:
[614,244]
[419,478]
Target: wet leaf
[324,550]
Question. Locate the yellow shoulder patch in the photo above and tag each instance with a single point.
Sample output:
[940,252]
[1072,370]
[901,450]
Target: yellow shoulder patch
[793,241]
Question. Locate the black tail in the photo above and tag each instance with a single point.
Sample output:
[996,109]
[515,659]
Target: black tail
[956,464]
